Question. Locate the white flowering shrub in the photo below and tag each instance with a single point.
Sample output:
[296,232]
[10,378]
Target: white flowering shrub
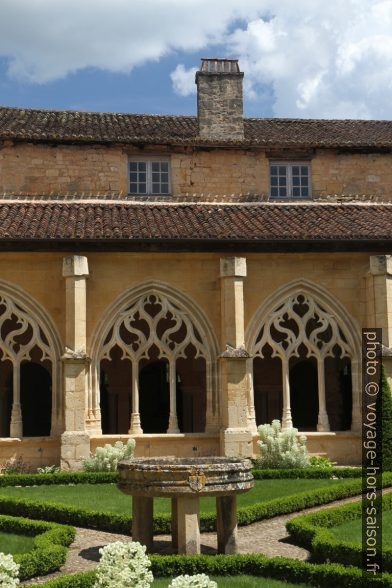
[123,565]
[198,581]
[281,449]
[9,571]
[106,458]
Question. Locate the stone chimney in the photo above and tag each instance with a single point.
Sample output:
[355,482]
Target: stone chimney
[219,100]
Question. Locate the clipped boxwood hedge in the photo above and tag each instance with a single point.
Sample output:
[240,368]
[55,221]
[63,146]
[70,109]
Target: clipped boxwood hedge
[281,568]
[112,477]
[50,542]
[117,523]
[312,531]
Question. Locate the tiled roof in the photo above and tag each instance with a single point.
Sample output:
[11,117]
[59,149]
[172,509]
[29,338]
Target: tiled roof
[200,222]
[73,126]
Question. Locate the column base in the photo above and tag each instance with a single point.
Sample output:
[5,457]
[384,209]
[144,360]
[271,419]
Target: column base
[236,442]
[142,520]
[16,424]
[287,421]
[135,427]
[75,448]
[323,423]
[173,426]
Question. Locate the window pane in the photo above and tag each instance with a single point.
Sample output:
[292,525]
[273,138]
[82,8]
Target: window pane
[295,180]
[164,188]
[133,188]
[164,177]
[142,177]
[304,181]
[274,170]
[296,192]
[304,170]
[282,181]
[133,166]
[155,166]
[155,176]
[295,170]
[156,189]
[133,177]
[274,181]
[164,166]
[142,165]
[304,192]
[142,189]
[274,192]
[282,192]
[282,170]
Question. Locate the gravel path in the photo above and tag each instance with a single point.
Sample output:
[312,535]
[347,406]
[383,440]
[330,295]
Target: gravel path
[268,537]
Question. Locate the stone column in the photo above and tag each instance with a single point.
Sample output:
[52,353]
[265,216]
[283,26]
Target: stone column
[236,437]
[226,524]
[75,441]
[142,520]
[323,421]
[251,401]
[16,425]
[135,427]
[173,421]
[287,421]
[379,306]
[188,524]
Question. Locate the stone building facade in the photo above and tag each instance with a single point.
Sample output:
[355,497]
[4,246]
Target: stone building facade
[183,279]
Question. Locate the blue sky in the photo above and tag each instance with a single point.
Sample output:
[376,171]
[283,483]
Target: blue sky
[304,59]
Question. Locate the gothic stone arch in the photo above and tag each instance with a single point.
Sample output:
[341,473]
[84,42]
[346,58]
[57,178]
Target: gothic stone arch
[135,327]
[301,314]
[26,329]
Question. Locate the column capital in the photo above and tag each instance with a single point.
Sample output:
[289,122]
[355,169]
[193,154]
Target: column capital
[381,265]
[233,267]
[75,266]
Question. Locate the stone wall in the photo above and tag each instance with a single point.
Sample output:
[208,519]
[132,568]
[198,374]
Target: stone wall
[68,169]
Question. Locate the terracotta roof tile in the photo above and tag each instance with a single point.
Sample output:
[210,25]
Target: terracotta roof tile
[73,126]
[118,221]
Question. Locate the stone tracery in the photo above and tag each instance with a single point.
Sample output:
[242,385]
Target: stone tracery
[20,334]
[155,321]
[298,324]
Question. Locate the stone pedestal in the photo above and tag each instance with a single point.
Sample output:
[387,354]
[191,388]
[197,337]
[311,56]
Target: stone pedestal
[226,524]
[75,448]
[142,520]
[185,481]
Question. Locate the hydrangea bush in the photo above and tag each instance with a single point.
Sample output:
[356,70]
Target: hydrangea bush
[281,449]
[197,581]
[123,565]
[106,458]
[9,571]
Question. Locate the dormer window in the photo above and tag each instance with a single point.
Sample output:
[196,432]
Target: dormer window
[290,180]
[149,175]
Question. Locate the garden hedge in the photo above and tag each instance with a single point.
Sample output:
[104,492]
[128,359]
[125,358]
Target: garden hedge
[312,531]
[281,568]
[117,523]
[112,477]
[50,542]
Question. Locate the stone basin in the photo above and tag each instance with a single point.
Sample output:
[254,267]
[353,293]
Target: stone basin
[172,477]
[185,481]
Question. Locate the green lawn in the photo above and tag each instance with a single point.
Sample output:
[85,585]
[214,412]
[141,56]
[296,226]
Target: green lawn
[106,497]
[11,543]
[238,582]
[352,530]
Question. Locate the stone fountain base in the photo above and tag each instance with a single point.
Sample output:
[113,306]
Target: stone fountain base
[185,480]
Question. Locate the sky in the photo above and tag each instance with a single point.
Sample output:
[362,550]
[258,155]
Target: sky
[302,59]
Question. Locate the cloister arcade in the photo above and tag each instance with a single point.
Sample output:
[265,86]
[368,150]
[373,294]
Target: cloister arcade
[155,366]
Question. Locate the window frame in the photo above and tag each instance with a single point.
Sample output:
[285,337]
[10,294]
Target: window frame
[149,159]
[289,164]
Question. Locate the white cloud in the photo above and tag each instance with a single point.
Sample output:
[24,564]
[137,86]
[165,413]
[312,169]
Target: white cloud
[184,80]
[323,59]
